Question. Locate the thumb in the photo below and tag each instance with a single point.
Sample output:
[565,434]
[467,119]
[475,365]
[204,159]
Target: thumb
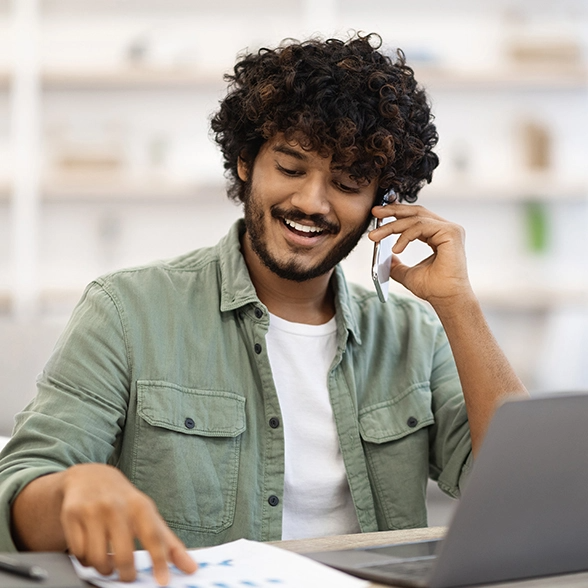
[399,271]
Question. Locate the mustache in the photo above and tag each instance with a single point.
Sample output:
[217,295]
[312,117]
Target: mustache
[318,220]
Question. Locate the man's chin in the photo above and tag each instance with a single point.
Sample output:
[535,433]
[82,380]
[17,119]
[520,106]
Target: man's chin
[294,271]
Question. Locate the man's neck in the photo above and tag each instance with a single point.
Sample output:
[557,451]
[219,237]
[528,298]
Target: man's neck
[311,302]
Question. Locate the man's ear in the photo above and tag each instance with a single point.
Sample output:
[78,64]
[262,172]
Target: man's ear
[242,169]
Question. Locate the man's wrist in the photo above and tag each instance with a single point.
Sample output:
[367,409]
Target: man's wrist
[458,306]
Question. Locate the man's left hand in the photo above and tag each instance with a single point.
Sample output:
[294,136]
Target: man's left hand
[440,278]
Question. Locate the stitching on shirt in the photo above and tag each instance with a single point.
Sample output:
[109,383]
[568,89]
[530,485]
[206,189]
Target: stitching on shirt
[195,393]
[118,307]
[122,317]
[417,386]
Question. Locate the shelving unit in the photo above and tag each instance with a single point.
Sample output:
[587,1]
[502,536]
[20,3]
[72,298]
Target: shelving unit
[143,118]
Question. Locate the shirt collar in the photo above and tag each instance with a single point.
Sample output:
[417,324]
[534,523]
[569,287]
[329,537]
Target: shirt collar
[237,290]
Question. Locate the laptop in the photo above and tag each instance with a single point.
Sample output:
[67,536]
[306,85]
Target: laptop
[523,514]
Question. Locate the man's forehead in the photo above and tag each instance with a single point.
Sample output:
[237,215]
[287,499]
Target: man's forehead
[300,148]
[292,149]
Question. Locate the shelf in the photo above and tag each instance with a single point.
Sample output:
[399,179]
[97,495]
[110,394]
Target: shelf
[84,8]
[433,78]
[509,78]
[536,299]
[516,191]
[126,78]
[132,78]
[129,191]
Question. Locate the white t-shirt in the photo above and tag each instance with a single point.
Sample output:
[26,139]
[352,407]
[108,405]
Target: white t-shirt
[317,500]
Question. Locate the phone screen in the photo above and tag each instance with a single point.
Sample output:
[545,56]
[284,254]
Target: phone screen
[381,261]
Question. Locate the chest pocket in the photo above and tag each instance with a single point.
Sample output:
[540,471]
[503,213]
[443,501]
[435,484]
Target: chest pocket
[396,443]
[187,453]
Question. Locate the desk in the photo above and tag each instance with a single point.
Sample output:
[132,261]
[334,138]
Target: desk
[386,537]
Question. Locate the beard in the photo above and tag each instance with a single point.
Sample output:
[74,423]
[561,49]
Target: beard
[293,269]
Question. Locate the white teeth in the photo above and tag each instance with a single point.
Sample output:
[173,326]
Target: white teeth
[302,228]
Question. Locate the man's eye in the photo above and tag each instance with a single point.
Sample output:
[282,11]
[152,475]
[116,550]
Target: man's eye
[287,171]
[347,188]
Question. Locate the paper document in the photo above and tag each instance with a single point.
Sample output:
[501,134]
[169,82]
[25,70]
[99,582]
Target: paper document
[240,564]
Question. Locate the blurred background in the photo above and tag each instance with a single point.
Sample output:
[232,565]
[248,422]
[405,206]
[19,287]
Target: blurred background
[106,159]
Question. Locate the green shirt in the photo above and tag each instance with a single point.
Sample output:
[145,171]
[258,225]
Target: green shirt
[163,372]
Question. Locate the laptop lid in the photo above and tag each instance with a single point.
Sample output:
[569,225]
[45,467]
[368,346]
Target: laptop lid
[524,512]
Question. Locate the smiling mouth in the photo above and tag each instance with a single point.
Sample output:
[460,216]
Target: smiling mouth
[303,230]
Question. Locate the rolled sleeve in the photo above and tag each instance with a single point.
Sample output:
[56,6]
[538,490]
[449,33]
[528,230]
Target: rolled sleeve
[450,443]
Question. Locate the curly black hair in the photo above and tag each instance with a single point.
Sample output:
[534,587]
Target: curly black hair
[345,99]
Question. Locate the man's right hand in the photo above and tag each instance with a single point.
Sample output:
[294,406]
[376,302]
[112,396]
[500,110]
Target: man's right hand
[99,516]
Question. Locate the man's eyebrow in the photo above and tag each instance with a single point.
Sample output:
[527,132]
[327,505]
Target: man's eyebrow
[281,148]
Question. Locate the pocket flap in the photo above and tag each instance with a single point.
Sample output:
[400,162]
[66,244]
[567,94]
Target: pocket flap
[210,413]
[397,417]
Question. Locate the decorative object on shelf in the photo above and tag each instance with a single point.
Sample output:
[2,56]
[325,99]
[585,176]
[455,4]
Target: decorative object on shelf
[537,226]
[545,52]
[460,158]
[137,51]
[536,145]
[162,47]
[88,153]
[534,42]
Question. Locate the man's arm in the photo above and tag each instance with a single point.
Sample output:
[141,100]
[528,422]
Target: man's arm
[71,430]
[485,374]
[96,514]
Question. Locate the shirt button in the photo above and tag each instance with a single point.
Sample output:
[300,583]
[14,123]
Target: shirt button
[274,423]
[258,312]
[189,423]
[273,500]
[257,348]
[412,422]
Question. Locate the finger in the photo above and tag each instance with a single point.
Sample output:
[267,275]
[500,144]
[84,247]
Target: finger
[428,225]
[74,538]
[180,557]
[150,532]
[123,545]
[160,566]
[414,233]
[393,227]
[404,211]
[97,547]
[164,546]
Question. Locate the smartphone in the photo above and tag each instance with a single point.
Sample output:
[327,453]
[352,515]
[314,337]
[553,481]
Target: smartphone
[382,257]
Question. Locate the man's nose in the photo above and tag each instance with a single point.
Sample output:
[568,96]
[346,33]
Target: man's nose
[311,197]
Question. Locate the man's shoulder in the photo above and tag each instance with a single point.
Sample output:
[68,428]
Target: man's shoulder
[181,267]
[174,267]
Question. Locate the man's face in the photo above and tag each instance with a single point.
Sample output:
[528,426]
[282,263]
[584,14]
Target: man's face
[302,216]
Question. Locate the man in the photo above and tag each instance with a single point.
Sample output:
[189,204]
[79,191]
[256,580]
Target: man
[246,390]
